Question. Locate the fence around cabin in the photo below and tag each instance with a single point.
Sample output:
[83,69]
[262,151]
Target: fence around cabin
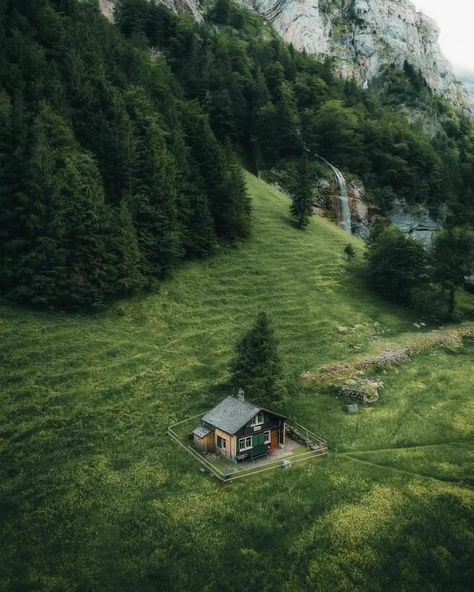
[315,444]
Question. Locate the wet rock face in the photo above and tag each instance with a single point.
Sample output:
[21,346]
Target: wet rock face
[363,36]
[327,205]
[468,81]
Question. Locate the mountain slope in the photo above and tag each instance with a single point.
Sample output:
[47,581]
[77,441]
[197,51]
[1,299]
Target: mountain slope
[363,36]
[96,495]
[108,176]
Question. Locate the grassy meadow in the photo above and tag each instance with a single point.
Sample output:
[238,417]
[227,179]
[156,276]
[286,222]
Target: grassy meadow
[95,496]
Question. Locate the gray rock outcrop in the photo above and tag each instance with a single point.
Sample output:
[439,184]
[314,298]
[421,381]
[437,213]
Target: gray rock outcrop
[419,225]
[191,6]
[363,36]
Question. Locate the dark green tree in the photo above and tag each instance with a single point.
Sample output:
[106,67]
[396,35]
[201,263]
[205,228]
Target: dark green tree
[302,205]
[153,200]
[349,252]
[127,271]
[452,261]
[59,254]
[234,214]
[221,12]
[396,264]
[257,367]
[197,224]
[287,120]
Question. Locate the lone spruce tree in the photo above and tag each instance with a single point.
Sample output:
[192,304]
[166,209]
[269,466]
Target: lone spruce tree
[257,366]
[302,205]
[349,252]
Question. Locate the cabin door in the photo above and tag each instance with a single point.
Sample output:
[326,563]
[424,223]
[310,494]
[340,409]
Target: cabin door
[258,445]
[275,438]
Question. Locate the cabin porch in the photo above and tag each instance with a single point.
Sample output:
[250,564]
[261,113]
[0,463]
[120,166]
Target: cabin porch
[291,449]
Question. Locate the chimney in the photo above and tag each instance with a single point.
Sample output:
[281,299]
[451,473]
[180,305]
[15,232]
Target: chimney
[241,394]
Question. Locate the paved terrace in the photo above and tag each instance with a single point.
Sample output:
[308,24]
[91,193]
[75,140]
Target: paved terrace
[292,448]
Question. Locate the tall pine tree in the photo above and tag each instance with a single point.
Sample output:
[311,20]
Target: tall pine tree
[257,367]
[302,205]
[58,254]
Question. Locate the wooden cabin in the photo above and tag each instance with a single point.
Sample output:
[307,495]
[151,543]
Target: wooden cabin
[240,430]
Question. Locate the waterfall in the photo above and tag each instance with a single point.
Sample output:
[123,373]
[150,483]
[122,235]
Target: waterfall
[343,199]
[346,221]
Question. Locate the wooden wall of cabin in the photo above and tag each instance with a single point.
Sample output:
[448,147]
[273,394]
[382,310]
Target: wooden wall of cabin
[207,443]
[210,442]
[270,422]
[231,444]
[274,443]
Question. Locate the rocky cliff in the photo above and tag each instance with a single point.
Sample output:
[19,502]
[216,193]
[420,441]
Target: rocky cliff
[363,36]
[191,6]
[468,82]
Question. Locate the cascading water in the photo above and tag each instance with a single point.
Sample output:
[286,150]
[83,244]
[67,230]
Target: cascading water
[346,221]
[343,199]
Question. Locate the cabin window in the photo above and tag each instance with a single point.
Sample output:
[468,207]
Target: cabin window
[267,439]
[257,420]
[220,442]
[245,443]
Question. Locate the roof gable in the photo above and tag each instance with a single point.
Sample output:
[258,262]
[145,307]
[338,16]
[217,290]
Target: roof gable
[231,414]
[202,432]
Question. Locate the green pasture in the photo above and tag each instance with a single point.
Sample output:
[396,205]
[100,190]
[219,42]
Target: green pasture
[95,496]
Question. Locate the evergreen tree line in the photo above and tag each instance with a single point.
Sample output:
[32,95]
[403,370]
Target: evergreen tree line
[269,99]
[109,175]
[399,267]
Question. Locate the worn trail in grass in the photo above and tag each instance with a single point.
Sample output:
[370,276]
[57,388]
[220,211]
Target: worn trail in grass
[94,495]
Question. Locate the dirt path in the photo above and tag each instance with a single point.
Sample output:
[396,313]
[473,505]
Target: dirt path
[459,482]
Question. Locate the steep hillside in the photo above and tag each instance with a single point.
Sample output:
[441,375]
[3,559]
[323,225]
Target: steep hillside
[120,144]
[108,176]
[94,495]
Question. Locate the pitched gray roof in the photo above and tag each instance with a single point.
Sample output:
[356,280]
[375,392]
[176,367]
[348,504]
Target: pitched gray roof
[201,431]
[231,414]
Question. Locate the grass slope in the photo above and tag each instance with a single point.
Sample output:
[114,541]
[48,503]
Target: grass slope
[94,496]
